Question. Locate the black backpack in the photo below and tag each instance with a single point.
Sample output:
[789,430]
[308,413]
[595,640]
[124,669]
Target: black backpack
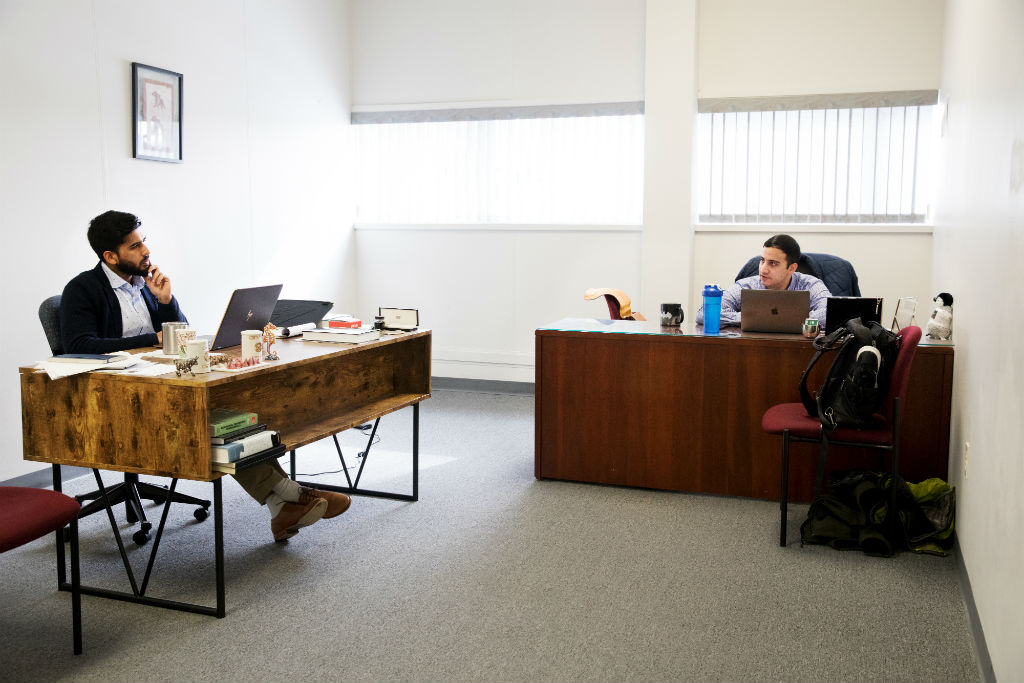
[858,381]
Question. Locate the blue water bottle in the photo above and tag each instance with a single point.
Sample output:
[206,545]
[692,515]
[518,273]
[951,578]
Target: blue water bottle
[712,309]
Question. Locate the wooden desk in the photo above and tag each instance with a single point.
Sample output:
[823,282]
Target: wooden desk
[160,425]
[633,404]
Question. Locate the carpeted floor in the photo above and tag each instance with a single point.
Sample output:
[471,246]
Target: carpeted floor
[491,576]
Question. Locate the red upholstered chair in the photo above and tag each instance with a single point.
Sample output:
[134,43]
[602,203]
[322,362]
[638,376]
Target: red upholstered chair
[27,514]
[794,424]
[618,303]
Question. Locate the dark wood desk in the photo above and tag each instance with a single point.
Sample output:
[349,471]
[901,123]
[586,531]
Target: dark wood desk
[160,425]
[633,404]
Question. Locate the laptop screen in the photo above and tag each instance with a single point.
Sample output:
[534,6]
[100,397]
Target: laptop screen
[839,309]
[248,309]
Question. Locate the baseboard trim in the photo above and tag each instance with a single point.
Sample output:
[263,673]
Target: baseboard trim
[985,669]
[43,479]
[486,386]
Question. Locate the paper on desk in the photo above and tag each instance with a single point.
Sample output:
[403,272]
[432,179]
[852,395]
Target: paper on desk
[58,370]
[146,369]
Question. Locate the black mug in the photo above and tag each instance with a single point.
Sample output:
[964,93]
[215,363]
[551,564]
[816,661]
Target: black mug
[671,314]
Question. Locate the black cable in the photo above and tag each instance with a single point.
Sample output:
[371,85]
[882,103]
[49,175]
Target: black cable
[376,440]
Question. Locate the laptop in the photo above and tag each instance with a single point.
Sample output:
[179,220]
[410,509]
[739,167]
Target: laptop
[770,310]
[839,309]
[248,309]
[292,312]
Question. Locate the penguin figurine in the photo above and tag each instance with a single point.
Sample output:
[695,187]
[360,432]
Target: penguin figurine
[940,325]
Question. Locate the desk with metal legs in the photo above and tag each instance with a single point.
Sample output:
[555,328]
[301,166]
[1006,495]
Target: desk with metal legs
[160,425]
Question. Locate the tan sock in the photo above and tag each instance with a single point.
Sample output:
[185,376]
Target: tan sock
[288,490]
[274,503]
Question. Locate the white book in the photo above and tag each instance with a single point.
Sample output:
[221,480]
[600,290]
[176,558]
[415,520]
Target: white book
[250,445]
[345,335]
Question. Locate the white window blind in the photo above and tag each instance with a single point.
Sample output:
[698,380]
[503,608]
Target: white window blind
[838,165]
[554,169]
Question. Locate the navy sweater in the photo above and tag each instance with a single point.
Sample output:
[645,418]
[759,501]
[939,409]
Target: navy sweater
[90,316]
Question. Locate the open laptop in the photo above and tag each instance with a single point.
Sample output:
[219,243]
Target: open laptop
[248,309]
[770,310]
[839,309]
[290,312]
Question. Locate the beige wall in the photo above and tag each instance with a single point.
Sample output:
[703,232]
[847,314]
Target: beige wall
[806,47]
[979,247]
[262,195]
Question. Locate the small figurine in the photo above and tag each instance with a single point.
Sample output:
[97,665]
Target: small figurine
[185,365]
[269,338]
[940,325]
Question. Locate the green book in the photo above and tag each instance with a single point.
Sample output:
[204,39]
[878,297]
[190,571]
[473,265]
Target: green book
[225,420]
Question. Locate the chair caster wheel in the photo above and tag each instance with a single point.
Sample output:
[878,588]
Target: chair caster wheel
[200,514]
[140,537]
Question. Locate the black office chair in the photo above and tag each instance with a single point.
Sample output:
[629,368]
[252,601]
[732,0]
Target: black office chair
[132,491]
[837,273]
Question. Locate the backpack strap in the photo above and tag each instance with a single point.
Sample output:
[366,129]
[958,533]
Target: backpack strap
[822,346]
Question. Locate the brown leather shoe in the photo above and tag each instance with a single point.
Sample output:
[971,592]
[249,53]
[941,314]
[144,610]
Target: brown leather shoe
[293,516]
[336,502]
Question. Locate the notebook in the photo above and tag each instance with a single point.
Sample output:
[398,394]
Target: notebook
[770,310]
[839,309]
[248,309]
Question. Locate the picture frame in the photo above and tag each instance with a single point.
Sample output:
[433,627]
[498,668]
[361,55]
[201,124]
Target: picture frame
[156,113]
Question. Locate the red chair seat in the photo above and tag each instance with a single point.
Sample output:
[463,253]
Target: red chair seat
[794,417]
[27,514]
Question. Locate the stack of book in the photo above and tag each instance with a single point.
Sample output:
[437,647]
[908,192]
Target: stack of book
[344,335]
[239,440]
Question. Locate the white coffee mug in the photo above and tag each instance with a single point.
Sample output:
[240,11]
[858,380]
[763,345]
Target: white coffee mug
[183,335]
[252,345]
[200,350]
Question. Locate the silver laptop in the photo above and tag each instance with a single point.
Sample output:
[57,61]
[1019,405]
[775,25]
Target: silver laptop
[248,309]
[770,310]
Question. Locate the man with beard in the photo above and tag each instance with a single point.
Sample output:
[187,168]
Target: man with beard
[122,304]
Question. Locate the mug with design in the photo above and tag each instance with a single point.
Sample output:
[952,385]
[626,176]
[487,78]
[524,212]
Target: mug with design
[252,345]
[183,335]
[200,350]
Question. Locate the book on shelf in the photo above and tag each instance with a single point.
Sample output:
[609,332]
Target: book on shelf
[224,421]
[340,320]
[344,335]
[237,434]
[95,358]
[249,460]
[246,446]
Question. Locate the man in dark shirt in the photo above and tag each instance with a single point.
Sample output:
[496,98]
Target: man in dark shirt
[122,304]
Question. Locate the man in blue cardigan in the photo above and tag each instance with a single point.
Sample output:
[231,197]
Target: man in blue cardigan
[122,304]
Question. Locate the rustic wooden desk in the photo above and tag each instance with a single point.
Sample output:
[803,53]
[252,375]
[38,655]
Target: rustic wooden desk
[635,404]
[160,425]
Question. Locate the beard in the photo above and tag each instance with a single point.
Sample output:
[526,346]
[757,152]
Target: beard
[128,268]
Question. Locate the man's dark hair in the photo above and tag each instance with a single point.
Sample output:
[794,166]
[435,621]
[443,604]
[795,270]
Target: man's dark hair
[786,245]
[108,230]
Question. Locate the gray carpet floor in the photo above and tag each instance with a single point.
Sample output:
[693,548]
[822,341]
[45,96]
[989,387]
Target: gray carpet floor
[491,576]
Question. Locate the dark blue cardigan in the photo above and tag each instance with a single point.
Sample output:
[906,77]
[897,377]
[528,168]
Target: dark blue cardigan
[90,316]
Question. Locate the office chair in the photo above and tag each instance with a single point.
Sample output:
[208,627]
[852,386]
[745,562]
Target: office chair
[27,514]
[132,491]
[837,273]
[618,303]
[794,424]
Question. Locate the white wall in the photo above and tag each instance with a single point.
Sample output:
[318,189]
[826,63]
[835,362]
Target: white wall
[806,47]
[261,196]
[979,245]
[523,52]
[484,292]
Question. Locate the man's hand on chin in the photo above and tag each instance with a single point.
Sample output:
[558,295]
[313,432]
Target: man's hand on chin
[159,284]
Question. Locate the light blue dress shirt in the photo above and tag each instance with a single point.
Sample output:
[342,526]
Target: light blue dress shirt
[135,318]
[799,281]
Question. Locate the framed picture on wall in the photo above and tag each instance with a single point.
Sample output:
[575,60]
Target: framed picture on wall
[156,113]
